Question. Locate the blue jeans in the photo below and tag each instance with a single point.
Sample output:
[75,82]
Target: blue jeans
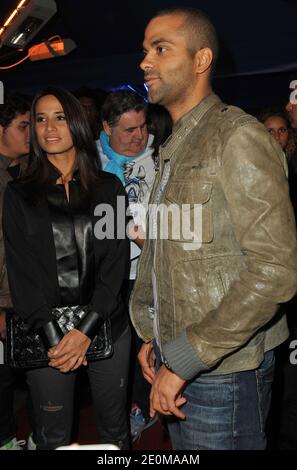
[225,412]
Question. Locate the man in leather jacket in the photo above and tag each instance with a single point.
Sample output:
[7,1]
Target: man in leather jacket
[210,300]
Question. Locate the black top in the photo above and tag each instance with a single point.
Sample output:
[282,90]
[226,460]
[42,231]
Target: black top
[14,171]
[34,265]
[73,237]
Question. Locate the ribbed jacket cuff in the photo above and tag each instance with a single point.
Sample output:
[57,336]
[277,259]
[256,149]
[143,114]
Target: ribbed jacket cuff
[182,358]
[90,324]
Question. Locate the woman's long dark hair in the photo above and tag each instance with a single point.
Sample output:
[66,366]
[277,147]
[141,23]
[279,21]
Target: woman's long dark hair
[277,111]
[38,173]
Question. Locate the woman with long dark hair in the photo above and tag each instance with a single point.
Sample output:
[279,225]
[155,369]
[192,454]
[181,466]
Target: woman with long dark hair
[55,260]
[277,122]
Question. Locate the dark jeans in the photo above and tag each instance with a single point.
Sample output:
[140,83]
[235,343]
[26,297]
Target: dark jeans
[139,387]
[7,421]
[287,439]
[226,412]
[288,427]
[52,398]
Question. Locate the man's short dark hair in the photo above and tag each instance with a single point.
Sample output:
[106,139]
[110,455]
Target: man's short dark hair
[119,102]
[14,104]
[198,27]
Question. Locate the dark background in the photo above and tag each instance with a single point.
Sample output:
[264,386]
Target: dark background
[258,47]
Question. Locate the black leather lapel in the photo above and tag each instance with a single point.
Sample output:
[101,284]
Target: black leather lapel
[72,230]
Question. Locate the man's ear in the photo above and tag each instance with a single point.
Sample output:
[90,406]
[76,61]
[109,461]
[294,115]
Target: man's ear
[107,128]
[204,59]
[1,131]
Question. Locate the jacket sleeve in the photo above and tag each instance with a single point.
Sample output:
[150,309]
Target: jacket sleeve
[22,264]
[254,183]
[113,267]
[5,300]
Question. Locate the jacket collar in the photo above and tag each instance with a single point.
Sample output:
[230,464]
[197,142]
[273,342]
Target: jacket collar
[196,114]
[54,173]
[185,125]
[5,162]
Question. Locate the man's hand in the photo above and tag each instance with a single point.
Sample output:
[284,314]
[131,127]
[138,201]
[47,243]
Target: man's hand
[70,353]
[166,397]
[136,233]
[147,359]
[2,325]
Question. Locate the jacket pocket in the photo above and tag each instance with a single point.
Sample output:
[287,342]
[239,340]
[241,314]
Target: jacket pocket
[188,211]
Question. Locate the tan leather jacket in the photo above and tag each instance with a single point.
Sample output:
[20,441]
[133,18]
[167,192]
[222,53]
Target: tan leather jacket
[217,304]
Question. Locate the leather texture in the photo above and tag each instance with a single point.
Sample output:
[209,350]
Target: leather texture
[50,333]
[73,238]
[26,349]
[219,300]
[31,253]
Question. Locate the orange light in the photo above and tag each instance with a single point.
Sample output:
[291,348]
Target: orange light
[41,51]
[21,4]
[15,12]
[10,18]
[1,31]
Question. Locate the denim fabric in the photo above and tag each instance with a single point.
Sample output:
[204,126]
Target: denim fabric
[7,421]
[226,412]
[109,380]
[52,394]
[139,388]
[287,380]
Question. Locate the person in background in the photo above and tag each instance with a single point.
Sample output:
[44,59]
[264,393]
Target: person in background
[278,124]
[126,149]
[14,145]
[291,107]
[91,101]
[159,124]
[288,420]
[207,299]
[57,257]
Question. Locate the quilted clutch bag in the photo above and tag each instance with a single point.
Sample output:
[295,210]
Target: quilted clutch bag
[25,349]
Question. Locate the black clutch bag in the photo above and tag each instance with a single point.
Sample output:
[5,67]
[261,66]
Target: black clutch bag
[25,349]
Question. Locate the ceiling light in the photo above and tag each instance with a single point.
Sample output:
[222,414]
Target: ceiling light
[50,49]
[25,22]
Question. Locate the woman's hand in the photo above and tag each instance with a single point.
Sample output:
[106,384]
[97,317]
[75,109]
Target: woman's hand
[70,353]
